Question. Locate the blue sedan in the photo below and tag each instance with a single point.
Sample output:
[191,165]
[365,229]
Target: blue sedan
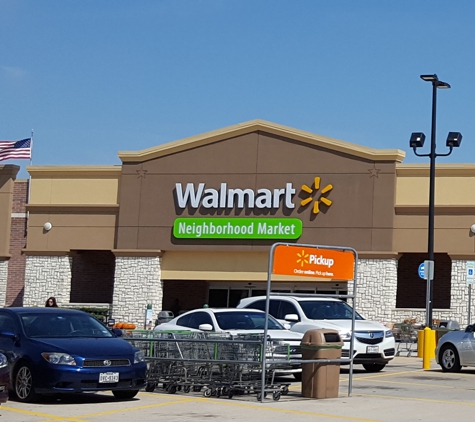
[54,350]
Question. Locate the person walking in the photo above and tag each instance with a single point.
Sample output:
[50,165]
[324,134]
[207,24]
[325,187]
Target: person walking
[51,302]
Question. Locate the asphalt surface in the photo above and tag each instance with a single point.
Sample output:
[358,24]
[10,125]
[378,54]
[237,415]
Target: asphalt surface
[403,391]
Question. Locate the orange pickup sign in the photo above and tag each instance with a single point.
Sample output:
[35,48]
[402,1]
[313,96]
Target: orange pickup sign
[314,262]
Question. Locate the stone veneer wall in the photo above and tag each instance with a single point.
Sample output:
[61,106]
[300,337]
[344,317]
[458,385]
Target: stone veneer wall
[458,296]
[137,284]
[47,276]
[376,289]
[3,282]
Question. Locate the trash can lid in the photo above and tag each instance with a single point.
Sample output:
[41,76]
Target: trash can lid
[321,336]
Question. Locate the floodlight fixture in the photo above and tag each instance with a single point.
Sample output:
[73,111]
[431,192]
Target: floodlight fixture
[430,78]
[417,140]
[454,139]
[435,81]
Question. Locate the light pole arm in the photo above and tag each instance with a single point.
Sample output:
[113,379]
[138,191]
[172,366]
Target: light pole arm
[428,155]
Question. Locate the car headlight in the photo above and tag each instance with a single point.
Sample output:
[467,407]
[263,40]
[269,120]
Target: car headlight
[59,358]
[388,333]
[345,335]
[3,360]
[139,357]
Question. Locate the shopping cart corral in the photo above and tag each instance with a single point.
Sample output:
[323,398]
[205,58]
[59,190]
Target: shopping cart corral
[216,364]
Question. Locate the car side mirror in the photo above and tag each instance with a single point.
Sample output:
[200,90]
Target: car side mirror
[292,317]
[205,327]
[118,332]
[9,334]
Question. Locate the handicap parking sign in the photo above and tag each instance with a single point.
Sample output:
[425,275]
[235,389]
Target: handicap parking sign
[470,272]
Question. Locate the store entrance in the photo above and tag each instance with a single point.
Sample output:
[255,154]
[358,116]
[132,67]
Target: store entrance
[228,294]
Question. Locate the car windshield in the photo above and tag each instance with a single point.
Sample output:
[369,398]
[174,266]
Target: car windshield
[246,321]
[62,324]
[326,309]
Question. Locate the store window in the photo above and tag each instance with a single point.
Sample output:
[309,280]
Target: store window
[412,290]
[92,279]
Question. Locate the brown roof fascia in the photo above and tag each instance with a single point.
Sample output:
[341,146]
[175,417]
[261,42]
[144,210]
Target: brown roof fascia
[263,126]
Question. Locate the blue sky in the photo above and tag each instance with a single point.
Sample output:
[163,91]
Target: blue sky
[92,78]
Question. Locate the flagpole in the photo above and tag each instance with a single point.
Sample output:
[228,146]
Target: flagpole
[29,181]
[31,148]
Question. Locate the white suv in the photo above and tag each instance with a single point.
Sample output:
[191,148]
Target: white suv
[374,344]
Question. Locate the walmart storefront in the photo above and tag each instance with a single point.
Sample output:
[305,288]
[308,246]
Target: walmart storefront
[194,219]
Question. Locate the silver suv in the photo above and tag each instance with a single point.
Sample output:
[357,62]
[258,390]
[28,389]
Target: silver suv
[374,344]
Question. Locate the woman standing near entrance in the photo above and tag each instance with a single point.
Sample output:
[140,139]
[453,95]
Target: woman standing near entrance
[51,302]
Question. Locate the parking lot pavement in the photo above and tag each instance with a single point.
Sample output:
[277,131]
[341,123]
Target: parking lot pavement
[402,391]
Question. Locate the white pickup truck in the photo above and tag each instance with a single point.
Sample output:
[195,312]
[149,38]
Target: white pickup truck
[374,344]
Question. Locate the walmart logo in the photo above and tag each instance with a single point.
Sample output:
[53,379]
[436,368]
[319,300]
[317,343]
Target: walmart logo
[312,194]
[302,258]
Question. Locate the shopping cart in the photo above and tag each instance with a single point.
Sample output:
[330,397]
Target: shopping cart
[406,337]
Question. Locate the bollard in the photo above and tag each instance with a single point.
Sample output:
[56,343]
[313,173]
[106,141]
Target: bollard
[420,344]
[429,347]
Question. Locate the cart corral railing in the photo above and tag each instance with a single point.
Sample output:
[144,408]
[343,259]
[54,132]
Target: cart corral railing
[215,363]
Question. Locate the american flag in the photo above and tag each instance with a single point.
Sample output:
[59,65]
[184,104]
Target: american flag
[15,149]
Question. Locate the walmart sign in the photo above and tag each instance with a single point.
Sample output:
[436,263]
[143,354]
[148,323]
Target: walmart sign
[237,228]
[229,198]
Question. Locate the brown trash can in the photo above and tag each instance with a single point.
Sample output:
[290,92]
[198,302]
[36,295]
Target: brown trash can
[321,380]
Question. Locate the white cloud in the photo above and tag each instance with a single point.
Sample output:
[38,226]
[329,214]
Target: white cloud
[13,72]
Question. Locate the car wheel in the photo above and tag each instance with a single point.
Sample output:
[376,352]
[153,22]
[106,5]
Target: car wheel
[23,384]
[374,367]
[449,359]
[297,376]
[125,394]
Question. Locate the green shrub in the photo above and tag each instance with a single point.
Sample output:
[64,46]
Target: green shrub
[102,314]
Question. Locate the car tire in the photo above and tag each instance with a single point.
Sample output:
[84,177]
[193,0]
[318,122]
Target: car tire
[297,376]
[449,359]
[125,394]
[23,384]
[374,367]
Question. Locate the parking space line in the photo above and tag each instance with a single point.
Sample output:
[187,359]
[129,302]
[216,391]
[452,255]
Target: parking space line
[458,403]
[279,410]
[448,387]
[43,415]
[82,418]
[386,374]
[226,403]
[134,408]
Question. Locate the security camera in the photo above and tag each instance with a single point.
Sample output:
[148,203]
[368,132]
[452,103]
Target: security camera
[48,226]
[472,228]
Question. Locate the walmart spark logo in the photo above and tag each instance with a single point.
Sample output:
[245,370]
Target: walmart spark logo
[302,258]
[320,198]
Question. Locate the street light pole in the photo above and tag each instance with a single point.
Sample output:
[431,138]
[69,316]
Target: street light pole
[430,246]
[417,140]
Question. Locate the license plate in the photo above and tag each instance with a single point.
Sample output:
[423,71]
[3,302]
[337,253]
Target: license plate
[108,377]
[372,349]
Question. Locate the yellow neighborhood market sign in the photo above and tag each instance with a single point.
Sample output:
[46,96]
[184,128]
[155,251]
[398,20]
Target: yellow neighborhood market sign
[314,262]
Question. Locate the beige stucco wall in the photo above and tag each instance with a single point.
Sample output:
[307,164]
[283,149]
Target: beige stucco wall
[454,208]
[454,184]
[63,185]
[81,203]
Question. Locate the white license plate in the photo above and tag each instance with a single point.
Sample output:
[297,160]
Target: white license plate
[372,349]
[108,377]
